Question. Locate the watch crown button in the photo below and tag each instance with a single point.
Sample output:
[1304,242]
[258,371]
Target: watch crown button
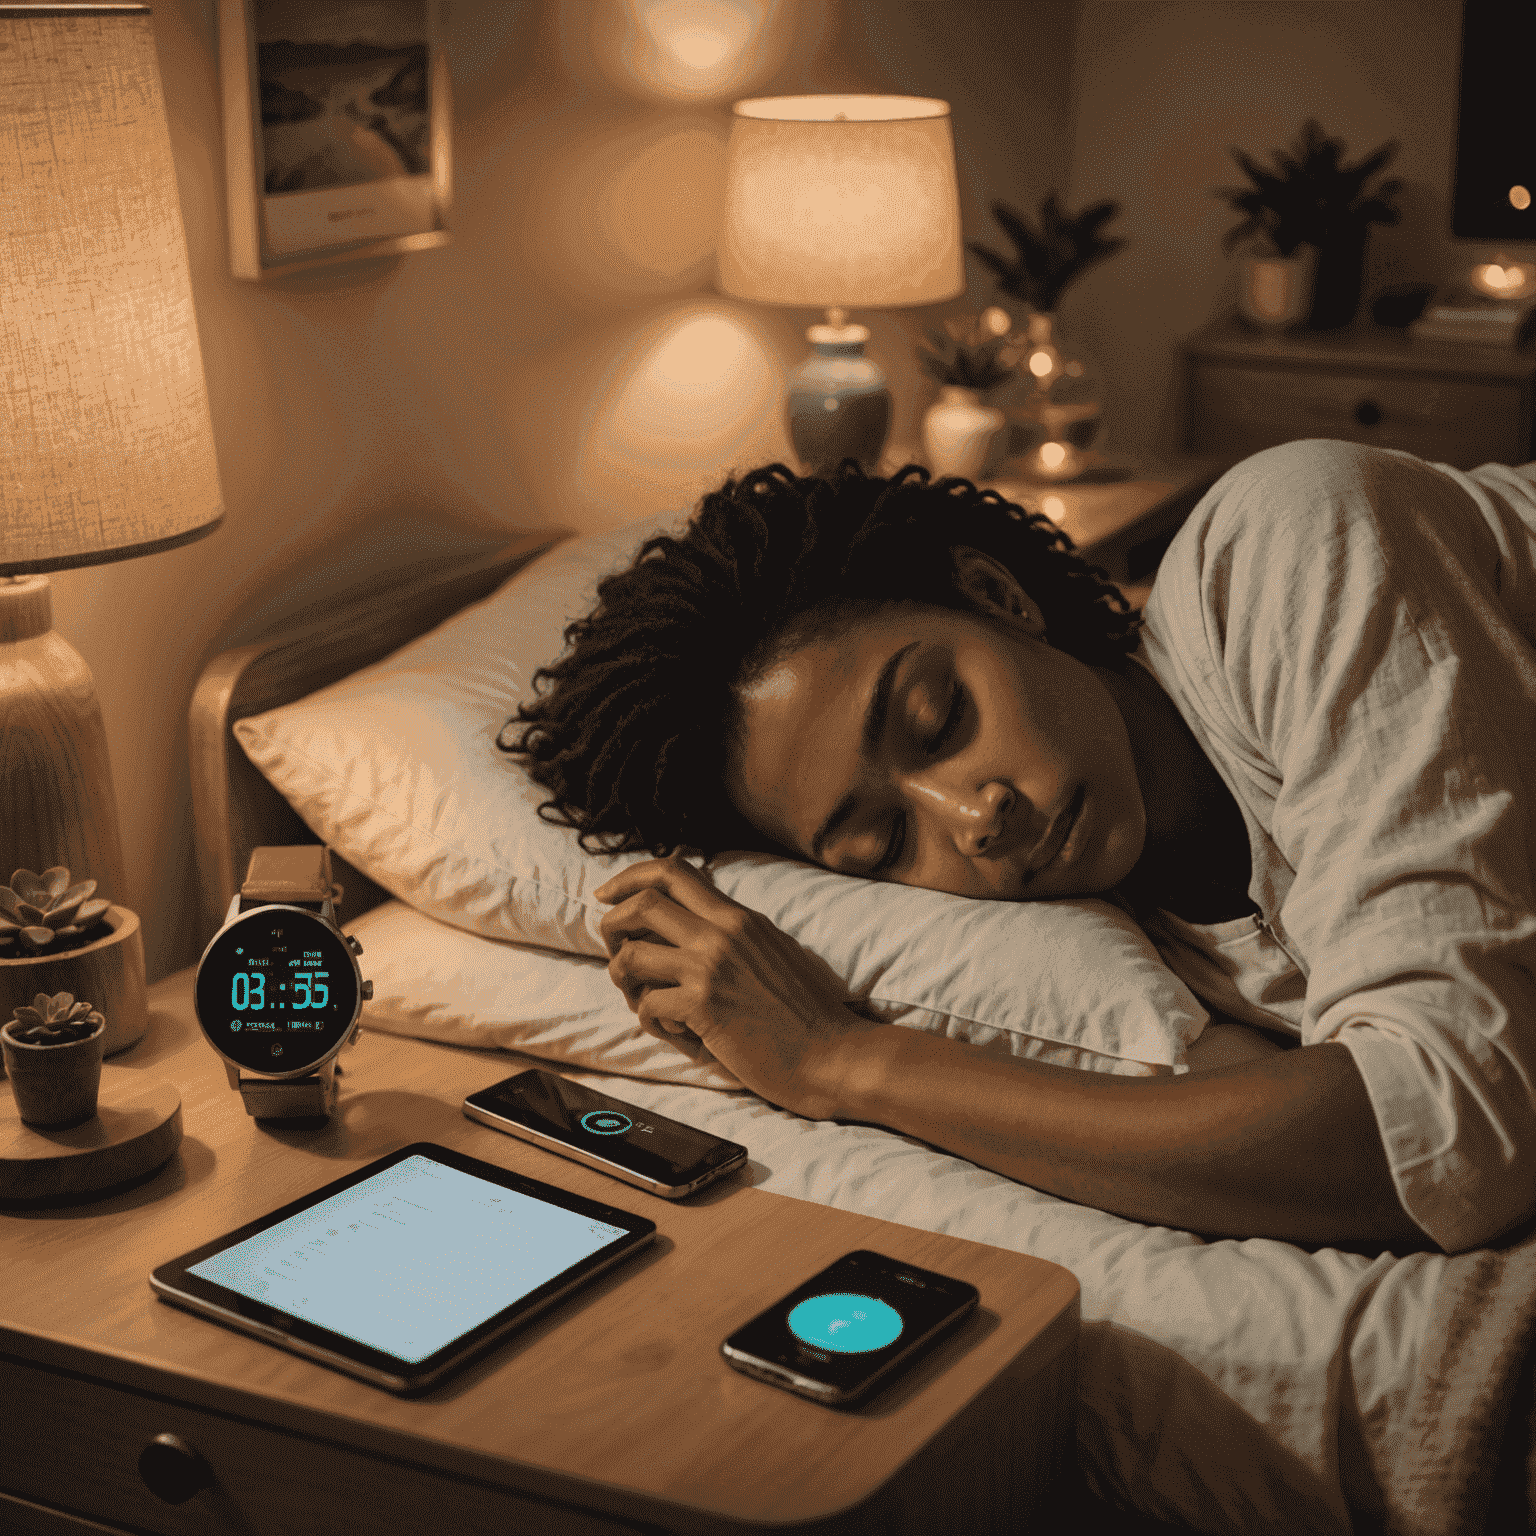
[353,945]
[367,991]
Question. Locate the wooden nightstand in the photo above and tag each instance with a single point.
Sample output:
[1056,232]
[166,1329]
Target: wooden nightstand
[613,1413]
[1449,403]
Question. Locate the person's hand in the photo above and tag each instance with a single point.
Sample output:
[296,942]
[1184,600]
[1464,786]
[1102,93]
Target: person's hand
[696,966]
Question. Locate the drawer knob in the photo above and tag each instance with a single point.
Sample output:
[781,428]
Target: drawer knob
[172,1470]
[1367,413]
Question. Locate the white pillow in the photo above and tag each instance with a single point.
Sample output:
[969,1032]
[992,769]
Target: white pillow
[396,768]
[439,982]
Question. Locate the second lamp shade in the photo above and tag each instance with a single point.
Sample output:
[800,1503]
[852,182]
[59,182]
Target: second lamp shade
[841,201]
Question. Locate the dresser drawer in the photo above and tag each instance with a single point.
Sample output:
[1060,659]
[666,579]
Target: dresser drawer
[74,1444]
[1236,411]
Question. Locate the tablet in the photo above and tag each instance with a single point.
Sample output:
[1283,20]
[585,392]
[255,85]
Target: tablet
[406,1269]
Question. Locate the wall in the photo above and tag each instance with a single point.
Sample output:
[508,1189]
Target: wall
[1162,91]
[564,362]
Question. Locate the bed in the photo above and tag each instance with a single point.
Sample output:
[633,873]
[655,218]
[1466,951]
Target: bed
[1225,1386]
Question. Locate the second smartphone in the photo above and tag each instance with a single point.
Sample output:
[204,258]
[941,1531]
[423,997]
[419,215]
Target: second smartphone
[626,1142]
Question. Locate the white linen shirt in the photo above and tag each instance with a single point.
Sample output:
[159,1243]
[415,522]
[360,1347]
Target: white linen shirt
[1350,633]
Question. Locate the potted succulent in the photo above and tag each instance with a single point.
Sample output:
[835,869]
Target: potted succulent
[974,357]
[1309,199]
[57,935]
[1059,416]
[52,1051]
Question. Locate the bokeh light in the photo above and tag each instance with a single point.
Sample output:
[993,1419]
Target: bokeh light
[687,397]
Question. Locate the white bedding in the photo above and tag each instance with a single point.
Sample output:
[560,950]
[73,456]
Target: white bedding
[1218,1380]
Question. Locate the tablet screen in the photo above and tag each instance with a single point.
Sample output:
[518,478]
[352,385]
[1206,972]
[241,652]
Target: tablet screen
[411,1258]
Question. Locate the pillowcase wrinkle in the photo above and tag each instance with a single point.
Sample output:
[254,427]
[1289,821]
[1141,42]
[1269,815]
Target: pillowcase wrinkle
[396,768]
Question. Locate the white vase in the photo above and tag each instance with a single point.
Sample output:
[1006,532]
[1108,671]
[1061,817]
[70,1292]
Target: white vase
[1275,292]
[958,431]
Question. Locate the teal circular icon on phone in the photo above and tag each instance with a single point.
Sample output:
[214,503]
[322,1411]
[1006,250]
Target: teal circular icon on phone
[605,1122]
[844,1323]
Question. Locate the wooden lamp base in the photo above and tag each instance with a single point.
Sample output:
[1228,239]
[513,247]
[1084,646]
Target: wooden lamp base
[60,807]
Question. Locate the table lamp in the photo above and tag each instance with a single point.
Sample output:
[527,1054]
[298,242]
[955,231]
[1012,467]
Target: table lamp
[106,447]
[838,202]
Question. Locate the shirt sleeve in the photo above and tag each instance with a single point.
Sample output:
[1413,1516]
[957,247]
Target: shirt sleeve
[1357,643]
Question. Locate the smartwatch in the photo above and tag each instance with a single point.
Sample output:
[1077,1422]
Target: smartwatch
[278,992]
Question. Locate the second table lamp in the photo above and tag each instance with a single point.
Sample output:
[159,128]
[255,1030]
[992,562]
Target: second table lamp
[839,202]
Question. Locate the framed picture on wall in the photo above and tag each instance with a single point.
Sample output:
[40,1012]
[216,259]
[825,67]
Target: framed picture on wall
[337,130]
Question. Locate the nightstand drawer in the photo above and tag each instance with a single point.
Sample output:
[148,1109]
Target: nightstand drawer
[75,1444]
[1464,422]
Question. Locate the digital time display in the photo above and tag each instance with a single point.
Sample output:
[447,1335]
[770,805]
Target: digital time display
[277,990]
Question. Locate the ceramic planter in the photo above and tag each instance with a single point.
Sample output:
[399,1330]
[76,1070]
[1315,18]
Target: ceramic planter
[54,1085]
[109,971]
[1275,292]
[958,431]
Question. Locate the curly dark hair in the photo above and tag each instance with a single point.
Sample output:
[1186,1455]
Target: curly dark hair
[631,730]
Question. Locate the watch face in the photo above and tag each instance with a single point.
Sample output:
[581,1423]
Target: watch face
[277,990]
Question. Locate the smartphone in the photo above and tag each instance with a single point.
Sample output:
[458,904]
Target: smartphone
[850,1329]
[626,1142]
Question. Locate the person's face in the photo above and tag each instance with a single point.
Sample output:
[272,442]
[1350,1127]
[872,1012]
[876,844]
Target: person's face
[945,750]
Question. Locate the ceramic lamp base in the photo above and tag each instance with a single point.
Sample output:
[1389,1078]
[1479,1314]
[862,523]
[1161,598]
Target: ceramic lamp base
[839,406]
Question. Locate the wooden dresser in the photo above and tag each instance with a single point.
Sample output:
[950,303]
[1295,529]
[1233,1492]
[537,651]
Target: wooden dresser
[1449,403]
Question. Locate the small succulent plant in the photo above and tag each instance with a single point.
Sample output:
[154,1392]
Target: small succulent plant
[45,912]
[55,1020]
[1051,257]
[976,354]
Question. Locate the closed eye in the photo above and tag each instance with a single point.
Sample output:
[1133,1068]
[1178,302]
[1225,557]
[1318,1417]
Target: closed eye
[893,846]
[951,720]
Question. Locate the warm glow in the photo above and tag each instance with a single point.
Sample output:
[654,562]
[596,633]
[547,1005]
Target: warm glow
[705,37]
[1042,362]
[1519,197]
[1504,278]
[996,320]
[683,400]
[626,211]
[1053,506]
[1053,454]
[686,50]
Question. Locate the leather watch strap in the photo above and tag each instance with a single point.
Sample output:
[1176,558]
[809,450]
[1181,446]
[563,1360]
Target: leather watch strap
[299,876]
[291,1098]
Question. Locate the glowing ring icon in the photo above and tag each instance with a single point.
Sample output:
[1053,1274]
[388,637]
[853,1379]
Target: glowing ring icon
[606,1122]
[844,1323]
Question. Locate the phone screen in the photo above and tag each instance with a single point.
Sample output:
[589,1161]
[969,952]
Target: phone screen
[850,1328]
[600,1129]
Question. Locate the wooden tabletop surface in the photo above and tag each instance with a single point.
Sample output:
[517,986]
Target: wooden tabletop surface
[618,1392]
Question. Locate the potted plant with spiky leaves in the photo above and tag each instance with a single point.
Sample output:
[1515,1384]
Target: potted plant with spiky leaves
[1058,420]
[52,1052]
[57,935]
[971,358]
[1310,207]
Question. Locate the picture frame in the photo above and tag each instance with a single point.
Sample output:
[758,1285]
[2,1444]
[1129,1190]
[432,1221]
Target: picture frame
[337,131]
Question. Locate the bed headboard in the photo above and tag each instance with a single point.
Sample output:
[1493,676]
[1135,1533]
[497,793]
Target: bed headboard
[234,809]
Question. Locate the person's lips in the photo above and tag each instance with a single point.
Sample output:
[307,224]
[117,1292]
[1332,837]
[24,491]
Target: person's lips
[1056,834]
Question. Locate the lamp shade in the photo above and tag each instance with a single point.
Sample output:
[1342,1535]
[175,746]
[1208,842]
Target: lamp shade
[106,446]
[841,202]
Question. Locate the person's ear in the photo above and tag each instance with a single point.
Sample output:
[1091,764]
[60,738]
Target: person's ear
[991,588]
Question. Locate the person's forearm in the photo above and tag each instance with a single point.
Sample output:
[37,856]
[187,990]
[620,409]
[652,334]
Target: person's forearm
[1285,1147]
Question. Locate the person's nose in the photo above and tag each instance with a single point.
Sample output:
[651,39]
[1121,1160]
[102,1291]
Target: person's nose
[971,816]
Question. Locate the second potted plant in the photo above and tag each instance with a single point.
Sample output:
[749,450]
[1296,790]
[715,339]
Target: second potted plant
[975,357]
[52,1052]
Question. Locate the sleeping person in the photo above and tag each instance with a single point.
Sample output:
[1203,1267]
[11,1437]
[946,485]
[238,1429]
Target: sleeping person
[1308,769]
